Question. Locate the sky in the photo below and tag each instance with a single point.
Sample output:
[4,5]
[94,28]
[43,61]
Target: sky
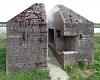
[87,8]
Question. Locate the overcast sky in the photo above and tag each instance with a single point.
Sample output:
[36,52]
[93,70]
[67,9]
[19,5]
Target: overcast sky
[87,8]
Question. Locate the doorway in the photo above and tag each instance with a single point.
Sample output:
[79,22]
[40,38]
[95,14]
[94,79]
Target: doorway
[51,35]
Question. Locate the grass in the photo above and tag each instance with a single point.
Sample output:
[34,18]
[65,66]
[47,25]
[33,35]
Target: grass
[2,52]
[89,71]
[28,75]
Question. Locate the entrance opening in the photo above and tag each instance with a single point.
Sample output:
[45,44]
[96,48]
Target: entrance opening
[65,43]
[51,35]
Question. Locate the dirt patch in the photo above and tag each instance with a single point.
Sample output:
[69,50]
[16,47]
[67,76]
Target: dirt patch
[88,72]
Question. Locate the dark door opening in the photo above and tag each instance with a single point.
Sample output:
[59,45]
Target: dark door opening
[71,43]
[51,35]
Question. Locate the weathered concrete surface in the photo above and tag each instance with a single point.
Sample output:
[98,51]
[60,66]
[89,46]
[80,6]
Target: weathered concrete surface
[27,40]
[72,32]
[27,37]
[70,57]
[54,67]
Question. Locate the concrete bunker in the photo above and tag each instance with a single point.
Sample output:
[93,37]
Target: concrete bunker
[27,40]
[68,35]
[71,34]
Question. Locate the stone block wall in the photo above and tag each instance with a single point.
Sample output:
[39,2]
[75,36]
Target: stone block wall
[27,40]
[85,41]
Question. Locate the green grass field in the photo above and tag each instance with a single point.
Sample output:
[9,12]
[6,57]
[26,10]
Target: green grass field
[28,75]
